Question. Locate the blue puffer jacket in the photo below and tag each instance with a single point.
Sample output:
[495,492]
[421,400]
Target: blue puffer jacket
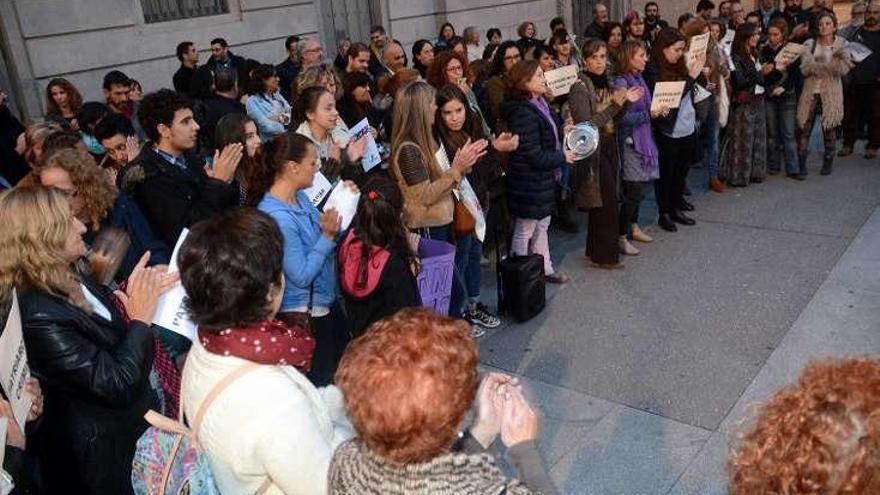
[531,170]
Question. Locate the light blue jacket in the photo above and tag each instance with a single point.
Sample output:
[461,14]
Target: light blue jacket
[265,110]
[309,257]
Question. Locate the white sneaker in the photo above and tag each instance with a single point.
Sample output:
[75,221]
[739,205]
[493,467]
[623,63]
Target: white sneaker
[477,331]
[627,248]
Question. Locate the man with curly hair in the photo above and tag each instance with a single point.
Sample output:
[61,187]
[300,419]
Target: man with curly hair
[172,186]
[818,436]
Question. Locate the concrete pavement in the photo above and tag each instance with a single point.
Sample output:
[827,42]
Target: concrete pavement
[645,375]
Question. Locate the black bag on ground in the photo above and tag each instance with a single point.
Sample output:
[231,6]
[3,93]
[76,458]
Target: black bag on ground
[521,291]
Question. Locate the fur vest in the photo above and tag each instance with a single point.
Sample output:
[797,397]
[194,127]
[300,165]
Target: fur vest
[826,76]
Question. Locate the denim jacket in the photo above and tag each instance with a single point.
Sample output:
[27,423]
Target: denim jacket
[308,254]
[266,110]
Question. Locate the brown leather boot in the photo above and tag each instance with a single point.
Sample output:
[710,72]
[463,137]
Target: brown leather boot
[716,185]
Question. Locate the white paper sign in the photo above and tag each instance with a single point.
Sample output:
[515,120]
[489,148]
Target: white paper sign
[667,94]
[699,45]
[4,422]
[560,80]
[321,187]
[465,193]
[371,157]
[857,51]
[345,201]
[790,52]
[170,312]
[14,371]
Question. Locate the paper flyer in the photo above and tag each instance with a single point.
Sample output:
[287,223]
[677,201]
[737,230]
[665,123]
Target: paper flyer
[857,51]
[344,200]
[668,94]
[699,45]
[14,371]
[371,157]
[560,80]
[170,312]
[321,187]
[790,53]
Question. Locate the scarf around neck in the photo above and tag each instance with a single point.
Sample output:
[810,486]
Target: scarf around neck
[266,342]
[544,108]
[643,141]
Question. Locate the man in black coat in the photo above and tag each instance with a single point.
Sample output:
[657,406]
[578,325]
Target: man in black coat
[289,70]
[12,165]
[224,101]
[171,185]
[600,18]
[188,55]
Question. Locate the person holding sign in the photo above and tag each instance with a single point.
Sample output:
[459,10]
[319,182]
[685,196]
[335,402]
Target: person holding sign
[93,366]
[14,462]
[823,65]
[317,111]
[781,102]
[310,239]
[676,136]
[595,100]
[745,158]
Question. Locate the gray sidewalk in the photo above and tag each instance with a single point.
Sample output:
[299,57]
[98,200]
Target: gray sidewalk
[644,375]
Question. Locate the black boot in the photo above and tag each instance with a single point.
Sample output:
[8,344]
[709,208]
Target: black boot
[802,164]
[666,223]
[826,165]
[680,217]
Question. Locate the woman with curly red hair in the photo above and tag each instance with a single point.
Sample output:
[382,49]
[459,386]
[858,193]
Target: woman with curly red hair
[408,383]
[818,436]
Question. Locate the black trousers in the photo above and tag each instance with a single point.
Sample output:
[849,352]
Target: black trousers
[676,158]
[860,101]
[332,335]
[633,193]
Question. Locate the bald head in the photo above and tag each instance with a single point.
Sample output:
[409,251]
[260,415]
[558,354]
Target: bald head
[393,56]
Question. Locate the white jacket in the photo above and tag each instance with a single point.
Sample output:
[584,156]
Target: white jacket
[270,422]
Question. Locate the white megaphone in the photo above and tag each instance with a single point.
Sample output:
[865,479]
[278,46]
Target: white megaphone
[583,139]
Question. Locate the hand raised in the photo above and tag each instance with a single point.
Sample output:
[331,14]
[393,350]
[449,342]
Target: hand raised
[141,296]
[226,162]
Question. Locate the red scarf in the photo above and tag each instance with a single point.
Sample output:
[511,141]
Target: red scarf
[266,342]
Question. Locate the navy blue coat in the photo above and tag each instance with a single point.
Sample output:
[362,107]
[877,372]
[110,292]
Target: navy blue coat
[531,170]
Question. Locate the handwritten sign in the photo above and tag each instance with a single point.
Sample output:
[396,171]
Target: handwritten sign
[667,94]
[344,200]
[14,371]
[699,45]
[321,187]
[857,51]
[170,312]
[435,275]
[790,52]
[560,80]
[371,157]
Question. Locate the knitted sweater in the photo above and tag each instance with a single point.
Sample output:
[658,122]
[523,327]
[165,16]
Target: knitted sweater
[355,470]
[825,76]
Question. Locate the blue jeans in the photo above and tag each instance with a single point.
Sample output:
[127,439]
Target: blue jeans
[468,252]
[565,182]
[459,291]
[781,142]
[710,130]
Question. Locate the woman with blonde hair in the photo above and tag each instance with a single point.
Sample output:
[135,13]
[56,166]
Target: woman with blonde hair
[63,103]
[34,136]
[92,363]
[317,75]
[96,202]
[416,160]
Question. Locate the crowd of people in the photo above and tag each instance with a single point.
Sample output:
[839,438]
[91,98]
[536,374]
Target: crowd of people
[335,380]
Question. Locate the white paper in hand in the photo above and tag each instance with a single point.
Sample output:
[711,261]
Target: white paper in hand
[371,157]
[561,80]
[667,94]
[170,312]
[321,187]
[344,200]
[857,51]
[14,371]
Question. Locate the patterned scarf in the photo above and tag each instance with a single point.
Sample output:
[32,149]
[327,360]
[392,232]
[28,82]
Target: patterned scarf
[643,141]
[266,342]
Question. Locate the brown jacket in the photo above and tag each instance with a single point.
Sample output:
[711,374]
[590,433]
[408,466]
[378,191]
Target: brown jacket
[427,202]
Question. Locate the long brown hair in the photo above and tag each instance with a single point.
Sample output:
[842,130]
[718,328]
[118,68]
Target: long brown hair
[412,124]
[669,72]
[74,98]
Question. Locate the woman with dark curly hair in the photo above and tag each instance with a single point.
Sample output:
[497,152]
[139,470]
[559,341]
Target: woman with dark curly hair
[820,435]
[285,428]
[63,103]
[96,202]
[408,384]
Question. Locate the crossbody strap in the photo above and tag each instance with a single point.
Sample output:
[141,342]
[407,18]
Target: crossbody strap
[216,391]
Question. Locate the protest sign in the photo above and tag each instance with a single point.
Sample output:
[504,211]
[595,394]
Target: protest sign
[344,200]
[437,259]
[857,51]
[321,187]
[667,94]
[789,53]
[699,45]
[371,157]
[170,312]
[560,80]
[14,371]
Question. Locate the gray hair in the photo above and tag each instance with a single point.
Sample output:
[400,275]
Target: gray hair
[470,35]
[302,44]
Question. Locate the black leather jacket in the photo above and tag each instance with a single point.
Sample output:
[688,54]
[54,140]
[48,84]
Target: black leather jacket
[94,374]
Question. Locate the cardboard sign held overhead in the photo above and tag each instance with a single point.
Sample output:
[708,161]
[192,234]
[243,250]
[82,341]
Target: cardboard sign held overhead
[14,371]
[560,80]
[699,45]
[667,94]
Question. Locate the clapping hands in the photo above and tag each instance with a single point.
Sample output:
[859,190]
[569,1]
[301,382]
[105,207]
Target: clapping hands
[502,408]
[468,155]
[225,162]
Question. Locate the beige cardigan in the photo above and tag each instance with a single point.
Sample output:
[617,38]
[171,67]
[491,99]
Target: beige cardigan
[427,202]
[827,77]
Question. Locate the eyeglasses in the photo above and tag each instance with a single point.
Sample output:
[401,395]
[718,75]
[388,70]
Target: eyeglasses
[455,68]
